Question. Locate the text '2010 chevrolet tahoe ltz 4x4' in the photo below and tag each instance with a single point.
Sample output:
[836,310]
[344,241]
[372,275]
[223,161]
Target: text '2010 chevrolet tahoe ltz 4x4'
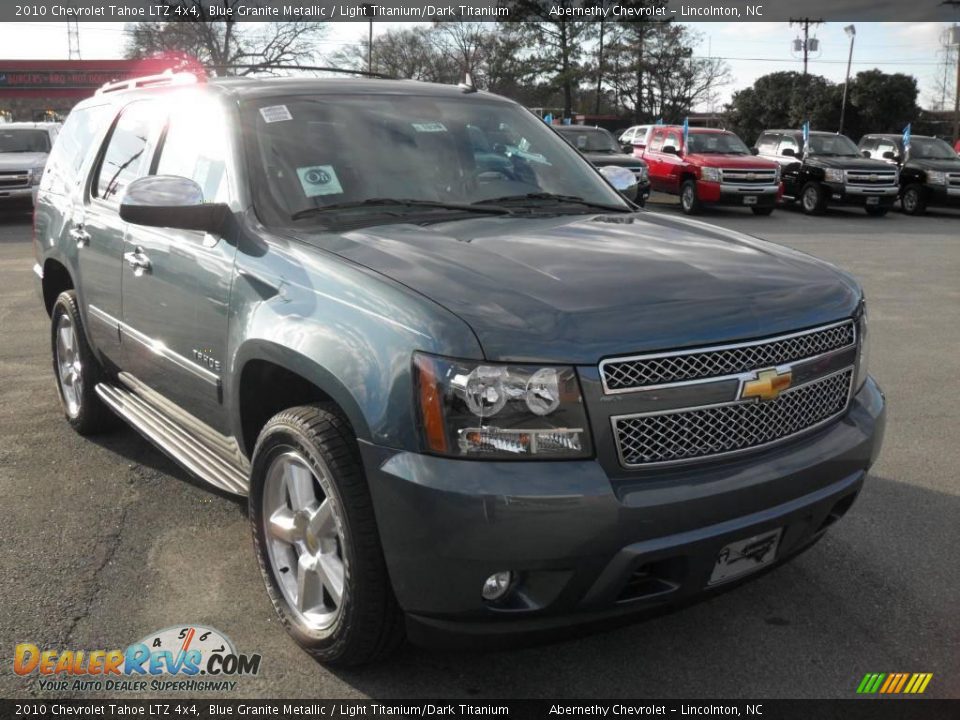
[465,398]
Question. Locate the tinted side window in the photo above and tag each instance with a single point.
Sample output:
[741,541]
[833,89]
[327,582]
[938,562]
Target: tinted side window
[127,152]
[71,147]
[190,150]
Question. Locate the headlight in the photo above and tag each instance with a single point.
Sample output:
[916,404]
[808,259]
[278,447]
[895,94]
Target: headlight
[833,175]
[936,178]
[484,410]
[644,174]
[776,174]
[710,174]
[863,359]
[35,174]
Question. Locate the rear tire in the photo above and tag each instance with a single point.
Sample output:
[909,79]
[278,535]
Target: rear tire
[316,538]
[876,211]
[913,202]
[76,369]
[812,199]
[689,202]
[762,211]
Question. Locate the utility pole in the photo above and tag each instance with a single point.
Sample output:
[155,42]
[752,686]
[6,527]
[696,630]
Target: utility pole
[806,23]
[851,32]
[368,11]
[73,39]
[955,37]
[599,69]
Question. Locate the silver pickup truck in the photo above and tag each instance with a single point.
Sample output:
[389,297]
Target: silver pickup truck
[23,155]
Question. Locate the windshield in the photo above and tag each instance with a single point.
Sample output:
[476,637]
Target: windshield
[839,145]
[380,154]
[590,140]
[716,143]
[931,149]
[21,140]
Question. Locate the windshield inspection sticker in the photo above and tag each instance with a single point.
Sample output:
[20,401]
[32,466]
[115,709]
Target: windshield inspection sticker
[319,180]
[275,113]
[429,127]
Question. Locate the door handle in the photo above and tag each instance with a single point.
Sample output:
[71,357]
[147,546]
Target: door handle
[80,236]
[138,261]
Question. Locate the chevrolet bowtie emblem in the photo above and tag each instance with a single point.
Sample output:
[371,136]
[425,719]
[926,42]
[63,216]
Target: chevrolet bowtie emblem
[767,386]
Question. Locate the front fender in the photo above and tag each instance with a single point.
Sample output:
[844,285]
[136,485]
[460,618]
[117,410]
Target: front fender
[348,330]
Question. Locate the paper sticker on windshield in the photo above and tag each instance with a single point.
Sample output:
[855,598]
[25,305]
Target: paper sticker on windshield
[429,127]
[275,113]
[319,180]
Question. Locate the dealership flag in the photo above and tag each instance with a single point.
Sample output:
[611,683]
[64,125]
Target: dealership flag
[806,136]
[548,118]
[686,131]
[906,137]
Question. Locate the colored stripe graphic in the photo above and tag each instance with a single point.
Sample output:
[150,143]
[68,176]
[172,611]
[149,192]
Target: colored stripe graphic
[894,683]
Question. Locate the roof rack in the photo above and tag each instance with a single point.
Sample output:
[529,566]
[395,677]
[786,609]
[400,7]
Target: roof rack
[167,77]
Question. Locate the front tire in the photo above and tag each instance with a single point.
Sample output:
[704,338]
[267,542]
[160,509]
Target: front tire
[913,202]
[316,538]
[689,202]
[77,370]
[812,199]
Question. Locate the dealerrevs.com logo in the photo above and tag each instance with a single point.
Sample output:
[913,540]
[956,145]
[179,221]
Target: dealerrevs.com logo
[187,658]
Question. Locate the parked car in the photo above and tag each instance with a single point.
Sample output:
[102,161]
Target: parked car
[600,147]
[714,168]
[830,171]
[929,169]
[635,137]
[23,154]
[459,400]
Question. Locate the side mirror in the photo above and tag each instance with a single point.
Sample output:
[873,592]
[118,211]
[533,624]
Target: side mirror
[670,150]
[788,152]
[623,180]
[888,155]
[754,151]
[172,202]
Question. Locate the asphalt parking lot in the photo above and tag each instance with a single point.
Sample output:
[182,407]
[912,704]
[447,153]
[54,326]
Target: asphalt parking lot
[105,540]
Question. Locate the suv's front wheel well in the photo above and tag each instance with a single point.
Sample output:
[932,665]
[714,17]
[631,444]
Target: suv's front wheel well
[265,390]
[56,279]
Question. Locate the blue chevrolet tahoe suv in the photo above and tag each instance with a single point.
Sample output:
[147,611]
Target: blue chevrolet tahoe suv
[467,396]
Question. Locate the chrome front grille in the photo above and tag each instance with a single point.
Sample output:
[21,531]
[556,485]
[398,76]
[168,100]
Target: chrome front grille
[953,179]
[634,373]
[872,178]
[14,179]
[716,430]
[740,176]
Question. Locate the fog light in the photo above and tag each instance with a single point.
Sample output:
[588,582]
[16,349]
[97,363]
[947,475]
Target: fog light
[497,585]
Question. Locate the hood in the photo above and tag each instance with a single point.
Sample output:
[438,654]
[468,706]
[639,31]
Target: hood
[849,163]
[22,160]
[617,159]
[575,289]
[744,162]
[944,165]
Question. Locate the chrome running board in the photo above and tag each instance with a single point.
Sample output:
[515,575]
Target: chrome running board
[191,452]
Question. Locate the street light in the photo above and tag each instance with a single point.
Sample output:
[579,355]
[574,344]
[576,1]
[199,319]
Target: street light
[851,32]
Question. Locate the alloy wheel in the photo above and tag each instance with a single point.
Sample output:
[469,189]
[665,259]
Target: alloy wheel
[304,540]
[810,199]
[69,367]
[910,201]
[687,197]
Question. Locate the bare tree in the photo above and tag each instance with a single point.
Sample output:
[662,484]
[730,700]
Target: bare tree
[225,47]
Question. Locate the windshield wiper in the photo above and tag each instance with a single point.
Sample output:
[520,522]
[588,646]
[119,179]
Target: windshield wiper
[399,203]
[553,198]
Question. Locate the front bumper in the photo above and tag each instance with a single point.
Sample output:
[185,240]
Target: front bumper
[732,194]
[18,196]
[579,541]
[942,195]
[862,195]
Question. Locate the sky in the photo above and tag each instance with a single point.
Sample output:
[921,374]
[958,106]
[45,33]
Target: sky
[750,49]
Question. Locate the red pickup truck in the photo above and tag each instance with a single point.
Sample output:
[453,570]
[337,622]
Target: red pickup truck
[713,167]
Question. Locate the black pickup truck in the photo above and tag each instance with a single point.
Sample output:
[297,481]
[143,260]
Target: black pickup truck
[929,169]
[829,170]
